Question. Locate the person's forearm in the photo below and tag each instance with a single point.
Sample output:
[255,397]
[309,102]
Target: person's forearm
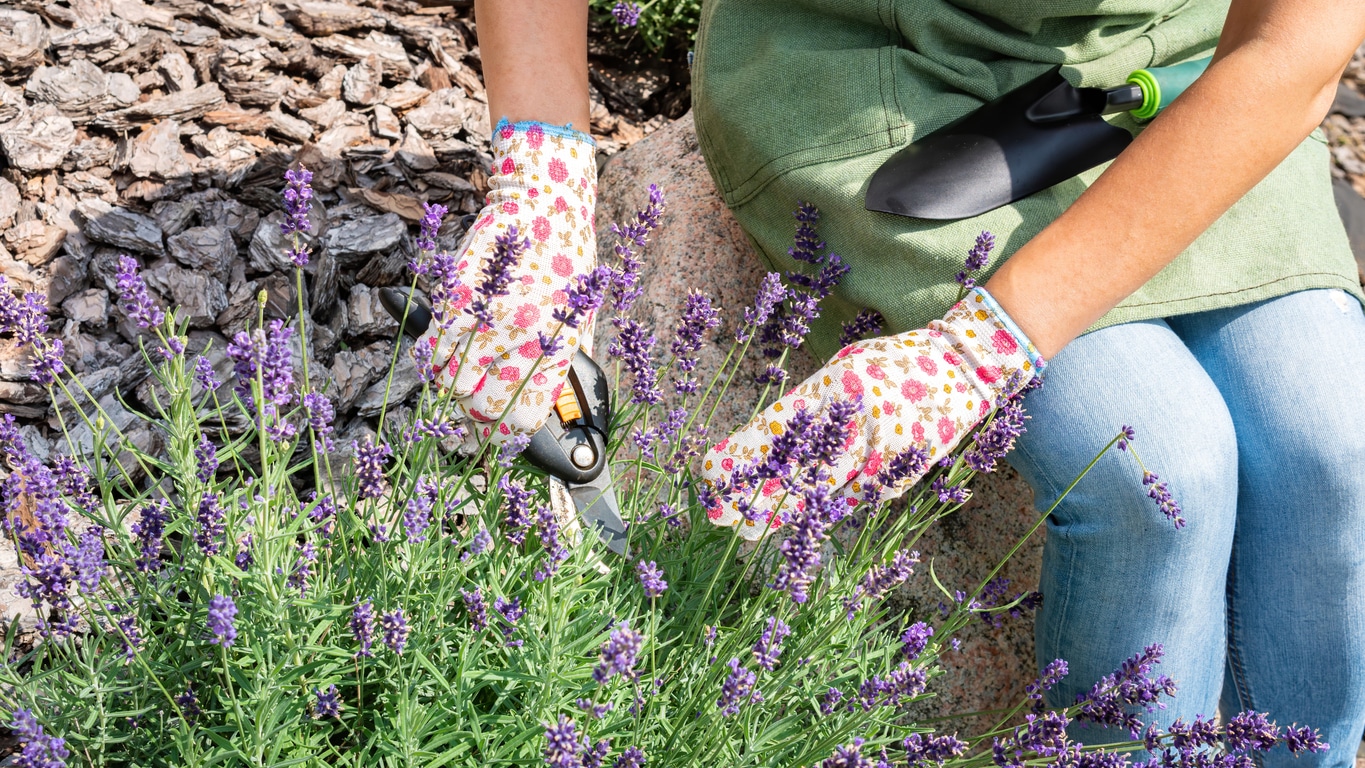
[535,60]
[1270,84]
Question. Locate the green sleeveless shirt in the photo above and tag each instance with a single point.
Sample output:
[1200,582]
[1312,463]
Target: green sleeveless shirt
[802,100]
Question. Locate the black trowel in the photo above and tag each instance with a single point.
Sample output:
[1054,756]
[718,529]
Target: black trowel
[1038,135]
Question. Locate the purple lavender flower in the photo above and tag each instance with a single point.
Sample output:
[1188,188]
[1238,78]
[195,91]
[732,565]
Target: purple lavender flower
[395,628]
[866,323]
[592,709]
[264,354]
[13,449]
[915,639]
[1051,675]
[769,645]
[801,549]
[585,294]
[129,634]
[510,450]
[204,374]
[321,414]
[1126,435]
[563,745]
[594,756]
[477,608]
[87,559]
[881,579]
[633,346]
[626,14]
[1300,739]
[48,364]
[511,612]
[698,317]
[651,578]
[222,620]
[808,244]
[710,638]
[369,468]
[148,530]
[206,458]
[830,700]
[950,494]
[549,343]
[244,558]
[326,704]
[848,756]
[738,689]
[619,654]
[1130,685]
[133,296]
[977,258]
[480,543]
[996,439]
[37,749]
[927,748]
[362,627]
[303,568]
[771,293]
[1250,731]
[417,518]
[208,534]
[631,757]
[625,282]
[661,432]
[298,191]
[547,530]
[432,213]
[442,270]
[497,272]
[188,703]
[1160,492]
[518,503]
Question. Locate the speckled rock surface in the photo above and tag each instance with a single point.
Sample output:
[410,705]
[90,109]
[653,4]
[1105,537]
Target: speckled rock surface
[700,246]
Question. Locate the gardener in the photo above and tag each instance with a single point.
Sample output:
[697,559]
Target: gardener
[1200,289]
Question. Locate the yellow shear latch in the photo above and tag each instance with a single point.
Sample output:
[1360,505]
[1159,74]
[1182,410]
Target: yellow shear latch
[567,405]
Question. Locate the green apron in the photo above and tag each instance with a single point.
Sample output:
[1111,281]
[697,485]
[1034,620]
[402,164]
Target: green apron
[802,100]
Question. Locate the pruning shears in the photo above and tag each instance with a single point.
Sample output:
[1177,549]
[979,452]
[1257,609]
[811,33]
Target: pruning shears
[571,448]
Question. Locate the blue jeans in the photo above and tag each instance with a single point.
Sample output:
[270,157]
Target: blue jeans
[1256,417]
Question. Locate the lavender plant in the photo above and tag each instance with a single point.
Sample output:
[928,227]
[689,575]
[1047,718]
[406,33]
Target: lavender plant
[247,601]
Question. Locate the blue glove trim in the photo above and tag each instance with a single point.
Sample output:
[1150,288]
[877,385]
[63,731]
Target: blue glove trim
[562,131]
[994,306]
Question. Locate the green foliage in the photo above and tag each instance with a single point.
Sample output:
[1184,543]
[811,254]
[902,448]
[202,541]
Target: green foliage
[660,21]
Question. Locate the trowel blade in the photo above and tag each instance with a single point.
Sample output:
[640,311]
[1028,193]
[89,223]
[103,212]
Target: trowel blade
[992,157]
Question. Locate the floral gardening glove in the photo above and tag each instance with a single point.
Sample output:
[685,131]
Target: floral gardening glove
[534,234]
[918,394]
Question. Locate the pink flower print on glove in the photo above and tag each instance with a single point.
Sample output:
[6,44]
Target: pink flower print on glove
[487,348]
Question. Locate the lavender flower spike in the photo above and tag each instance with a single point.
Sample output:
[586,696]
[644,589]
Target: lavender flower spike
[626,14]
[396,629]
[619,654]
[651,578]
[222,620]
[431,224]
[497,272]
[133,296]
[298,191]
[37,750]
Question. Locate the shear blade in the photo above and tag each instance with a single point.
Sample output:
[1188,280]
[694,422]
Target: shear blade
[597,506]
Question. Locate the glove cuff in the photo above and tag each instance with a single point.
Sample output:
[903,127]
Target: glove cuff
[506,130]
[985,300]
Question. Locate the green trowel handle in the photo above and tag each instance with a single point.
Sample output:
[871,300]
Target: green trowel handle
[1160,85]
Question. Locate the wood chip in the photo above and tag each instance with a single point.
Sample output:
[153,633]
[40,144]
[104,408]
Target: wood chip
[185,105]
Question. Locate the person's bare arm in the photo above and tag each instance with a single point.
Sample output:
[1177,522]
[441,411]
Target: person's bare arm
[1269,85]
[535,59]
